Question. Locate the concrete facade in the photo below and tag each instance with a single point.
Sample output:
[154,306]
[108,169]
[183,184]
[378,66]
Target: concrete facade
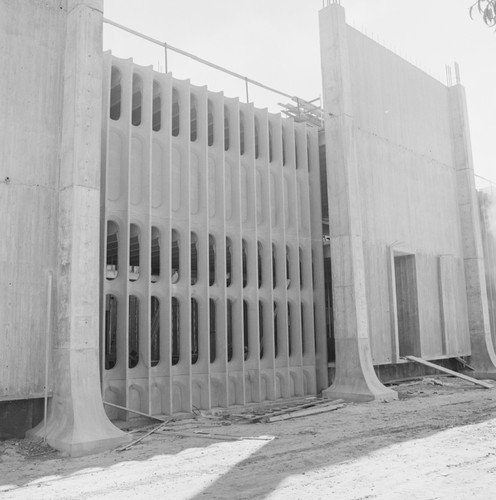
[209,245]
[400,172]
[56,179]
[179,262]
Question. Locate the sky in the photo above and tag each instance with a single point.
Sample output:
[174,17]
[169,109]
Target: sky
[276,42]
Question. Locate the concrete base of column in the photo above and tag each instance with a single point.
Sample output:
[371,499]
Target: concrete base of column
[483,357]
[77,437]
[355,378]
[77,424]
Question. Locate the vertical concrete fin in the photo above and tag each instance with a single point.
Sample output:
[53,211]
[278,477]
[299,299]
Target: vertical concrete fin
[355,376]
[77,423]
[483,357]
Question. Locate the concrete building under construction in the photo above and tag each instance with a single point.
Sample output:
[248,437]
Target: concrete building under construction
[170,248]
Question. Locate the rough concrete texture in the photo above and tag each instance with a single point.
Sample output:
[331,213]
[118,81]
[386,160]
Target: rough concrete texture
[31,62]
[355,377]
[483,357]
[77,423]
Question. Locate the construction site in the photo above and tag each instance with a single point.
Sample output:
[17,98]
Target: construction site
[179,264]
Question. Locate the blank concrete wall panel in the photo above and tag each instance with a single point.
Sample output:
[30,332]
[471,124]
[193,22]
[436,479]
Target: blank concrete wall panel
[408,185]
[431,338]
[393,88]
[31,64]
[378,298]
[392,181]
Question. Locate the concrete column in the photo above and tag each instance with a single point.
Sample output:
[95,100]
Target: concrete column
[77,423]
[483,357]
[355,376]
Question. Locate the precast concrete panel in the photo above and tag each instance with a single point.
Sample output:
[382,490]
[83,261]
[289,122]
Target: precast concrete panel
[408,195]
[208,236]
[31,100]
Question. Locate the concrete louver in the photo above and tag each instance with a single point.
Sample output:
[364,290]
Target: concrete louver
[222,201]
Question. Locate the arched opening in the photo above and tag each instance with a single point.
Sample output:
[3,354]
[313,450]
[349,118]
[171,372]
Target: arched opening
[112,258]
[228,261]
[302,307]
[156,107]
[229,329]
[193,114]
[274,270]
[290,347]
[226,129]
[261,327]
[133,331]
[175,331]
[194,258]
[155,331]
[155,255]
[137,100]
[211,253]
[301,268]
[134,252]
[276,332]
[194,331]
[175,270]
[288,274]
[110,331]
[246,330]
[115,94]
[210,111]
[213,331]
[241,133]
[259,261]
[175,113]
[244,256]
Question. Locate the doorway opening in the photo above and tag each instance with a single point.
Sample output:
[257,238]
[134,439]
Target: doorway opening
[405,276]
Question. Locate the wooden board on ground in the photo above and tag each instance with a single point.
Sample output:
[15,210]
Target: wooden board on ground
[315,410]
[450,372]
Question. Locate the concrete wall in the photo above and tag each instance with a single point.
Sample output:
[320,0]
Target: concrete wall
[202,179]
[408,197]
[32,38]
[487,203]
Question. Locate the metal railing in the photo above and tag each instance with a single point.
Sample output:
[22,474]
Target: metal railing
[302,109]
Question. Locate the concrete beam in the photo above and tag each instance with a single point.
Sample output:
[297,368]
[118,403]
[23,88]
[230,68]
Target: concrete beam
[355,377]
[483,356]
[77,423]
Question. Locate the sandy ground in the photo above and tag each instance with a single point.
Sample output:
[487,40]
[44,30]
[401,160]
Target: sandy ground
[436,442]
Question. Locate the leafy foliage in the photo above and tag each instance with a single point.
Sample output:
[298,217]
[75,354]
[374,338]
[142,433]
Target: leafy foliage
[487,9]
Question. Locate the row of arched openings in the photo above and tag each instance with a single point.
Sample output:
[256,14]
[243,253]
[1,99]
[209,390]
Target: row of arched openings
[112,258]
[133,338]
[136,117]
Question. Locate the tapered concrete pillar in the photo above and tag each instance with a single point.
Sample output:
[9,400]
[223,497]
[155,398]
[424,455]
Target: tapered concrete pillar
[483,357]
[77,423]
[355,376]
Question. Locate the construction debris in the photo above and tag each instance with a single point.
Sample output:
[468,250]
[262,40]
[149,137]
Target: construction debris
[450,372]
[222,437]
[136,441]
[265,414]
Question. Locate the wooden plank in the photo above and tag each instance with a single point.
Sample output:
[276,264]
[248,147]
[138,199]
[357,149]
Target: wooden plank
[155,417]
[450,372]
[316,410]
[136,441]
[465,364]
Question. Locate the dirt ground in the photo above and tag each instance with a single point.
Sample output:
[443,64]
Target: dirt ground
[438,441]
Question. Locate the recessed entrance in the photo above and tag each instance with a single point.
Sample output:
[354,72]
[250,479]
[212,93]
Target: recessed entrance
[407,305]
